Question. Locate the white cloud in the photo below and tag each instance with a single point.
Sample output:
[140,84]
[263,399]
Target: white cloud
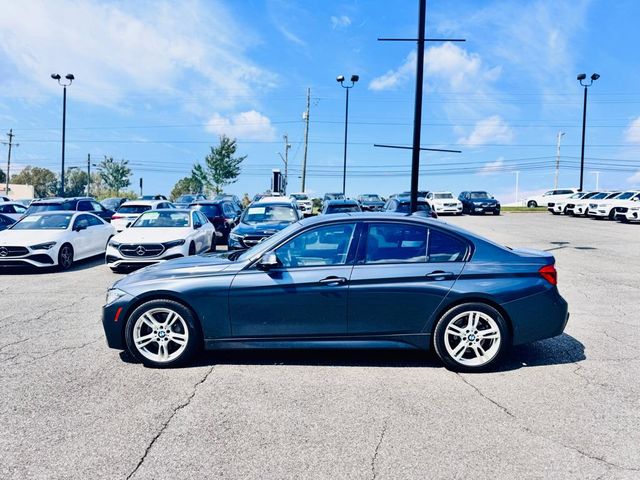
[249,125]
[492,129]
[491,168]
[632,133]
[634,179]
[447,64]
[116,49]
[342,21]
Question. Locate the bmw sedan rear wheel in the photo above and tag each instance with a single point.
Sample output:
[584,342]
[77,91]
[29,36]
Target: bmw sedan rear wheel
[471,337]
[162,333]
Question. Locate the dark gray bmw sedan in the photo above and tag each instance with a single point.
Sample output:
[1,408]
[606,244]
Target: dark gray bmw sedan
[343,281]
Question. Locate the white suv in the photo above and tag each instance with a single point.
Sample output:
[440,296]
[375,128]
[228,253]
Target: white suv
[607,208]
[129,211]
[444,202]
[581,207]
[549,197]
[305,205]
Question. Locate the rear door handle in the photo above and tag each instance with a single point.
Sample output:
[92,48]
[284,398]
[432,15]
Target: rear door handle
[333,281]
[439,275]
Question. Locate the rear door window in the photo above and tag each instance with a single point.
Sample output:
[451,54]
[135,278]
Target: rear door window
[396,243]
[446,248]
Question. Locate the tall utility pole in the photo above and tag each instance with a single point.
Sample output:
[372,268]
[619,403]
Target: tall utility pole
[305,117]
[558,140]
[285,159]
[70,78]
[88,174]
[10,144]
[581,78]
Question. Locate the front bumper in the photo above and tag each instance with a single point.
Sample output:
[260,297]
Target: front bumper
[27,257]
[599,212]
[633,215]
[483,208]
[114,318]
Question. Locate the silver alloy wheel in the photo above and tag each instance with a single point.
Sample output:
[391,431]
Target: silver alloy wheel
[472,338]
[66,256]
[161,335]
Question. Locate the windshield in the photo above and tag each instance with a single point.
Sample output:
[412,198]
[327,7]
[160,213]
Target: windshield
[442,195]
[625,195]
[58,221]
[478,195]
[405,207]
[186,199]
[209,210]
[111,203]
[162,220]
[269,214]
[590,195]
[612,195]
[334,196]
[598,196]
[134,208]
[49,207]
[579,195]
[343,209]
[371,198]
[299,196]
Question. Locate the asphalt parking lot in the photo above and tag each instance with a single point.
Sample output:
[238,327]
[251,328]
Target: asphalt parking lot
[567,407]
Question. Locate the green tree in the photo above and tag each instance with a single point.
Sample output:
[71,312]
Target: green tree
[75,182]
[221,167]
[3,176]
[186,185]
[44,181]
[114,173]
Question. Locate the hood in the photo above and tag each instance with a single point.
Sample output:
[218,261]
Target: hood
[266,228]
[27,238]
[178,268]
[442,201]
[490,201]
[151,235]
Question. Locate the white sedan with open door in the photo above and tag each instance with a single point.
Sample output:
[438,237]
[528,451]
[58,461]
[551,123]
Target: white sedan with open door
[159,235]
[54,239]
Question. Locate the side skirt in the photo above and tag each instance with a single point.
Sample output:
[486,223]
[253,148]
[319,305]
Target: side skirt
[420,341]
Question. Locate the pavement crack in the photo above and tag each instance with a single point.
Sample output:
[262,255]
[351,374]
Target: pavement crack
[22,340]
[377,449]
[530,431]
[166,423]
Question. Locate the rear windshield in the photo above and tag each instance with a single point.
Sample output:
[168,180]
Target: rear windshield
[209,210]
[51,207]
[343,209]
[134,208]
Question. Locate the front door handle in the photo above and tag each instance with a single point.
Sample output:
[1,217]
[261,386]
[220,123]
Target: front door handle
[333,281]
[439,275]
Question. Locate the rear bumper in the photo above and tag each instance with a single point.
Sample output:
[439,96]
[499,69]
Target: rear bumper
[539,316]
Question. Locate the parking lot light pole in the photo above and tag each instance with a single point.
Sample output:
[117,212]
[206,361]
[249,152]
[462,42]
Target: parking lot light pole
[340,80]
[70,78]
[581,78]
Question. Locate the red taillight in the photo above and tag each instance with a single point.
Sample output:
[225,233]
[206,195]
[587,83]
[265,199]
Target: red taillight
[116,217]
[549,273]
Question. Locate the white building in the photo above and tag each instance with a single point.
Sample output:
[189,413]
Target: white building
[16,191]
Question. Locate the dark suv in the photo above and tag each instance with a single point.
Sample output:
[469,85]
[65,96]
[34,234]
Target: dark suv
[77,204]
[222,214]
[403,205]
[479,202]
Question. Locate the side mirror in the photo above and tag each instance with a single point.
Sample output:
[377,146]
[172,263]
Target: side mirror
[268,261]
[80,227]
[196,226]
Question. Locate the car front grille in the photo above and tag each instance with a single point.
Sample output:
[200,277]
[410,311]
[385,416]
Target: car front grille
[593,205]
[251,240]
[138,250]
[13,251]
[622,209]
[450,204]
[550,204]
[570,205]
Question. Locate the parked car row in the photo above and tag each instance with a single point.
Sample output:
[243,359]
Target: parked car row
[623,206]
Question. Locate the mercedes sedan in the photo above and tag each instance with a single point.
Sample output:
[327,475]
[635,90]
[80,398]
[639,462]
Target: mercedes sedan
[343,281]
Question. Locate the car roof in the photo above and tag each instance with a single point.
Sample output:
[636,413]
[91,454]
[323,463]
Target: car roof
[209,202]
[274,200]
[62,200]
[344,201]
[170,210]
[129,203]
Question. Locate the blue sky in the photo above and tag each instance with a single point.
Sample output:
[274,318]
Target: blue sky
[157,82]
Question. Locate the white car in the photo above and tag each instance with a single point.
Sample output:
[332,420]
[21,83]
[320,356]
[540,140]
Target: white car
[305,205]
[567,205]
[159,235]
[54,239]
[581,207]
[550,196]
[632,214]
[129,211]
[13,210]
[607,208]
[444,202]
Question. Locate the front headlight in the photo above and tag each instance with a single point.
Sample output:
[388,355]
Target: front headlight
[114,294]
[114,244]
[43,246]
[634,208]
[175,243]
[235,236]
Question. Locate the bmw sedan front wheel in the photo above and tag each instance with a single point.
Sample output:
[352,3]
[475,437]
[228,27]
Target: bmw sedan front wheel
[162,333]
[470,337]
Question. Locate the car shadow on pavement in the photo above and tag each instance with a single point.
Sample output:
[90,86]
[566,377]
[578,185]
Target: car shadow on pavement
[559,350]
[85,264]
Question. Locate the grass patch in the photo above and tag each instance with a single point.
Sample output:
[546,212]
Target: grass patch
[524,209]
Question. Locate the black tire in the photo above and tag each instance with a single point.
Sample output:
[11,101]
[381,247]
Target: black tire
[65,257]
[439,337]
[194,342]
[496,212]
[612,214]
[214,243]
[192,249]
[532,204]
